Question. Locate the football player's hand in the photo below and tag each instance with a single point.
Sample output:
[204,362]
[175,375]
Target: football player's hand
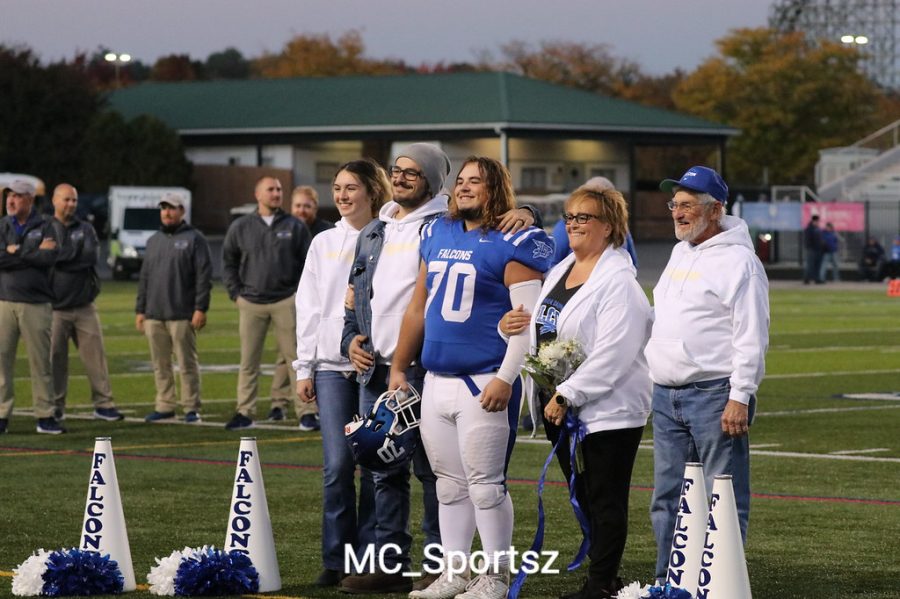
[398,381]
[555,413]
[349,298]
[305,390]
[515,321]
[516,220]
[735,419]
[495,396]
[198,320]
[360,358]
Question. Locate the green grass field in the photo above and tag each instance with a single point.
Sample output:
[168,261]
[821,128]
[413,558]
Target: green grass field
[825,520]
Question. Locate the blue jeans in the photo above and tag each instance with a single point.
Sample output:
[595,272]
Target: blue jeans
[687,427]
[392,486]
[829,258]
[342,521]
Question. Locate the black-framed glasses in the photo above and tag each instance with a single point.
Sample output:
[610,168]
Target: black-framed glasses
[409,174]
[580,218]
[684,206]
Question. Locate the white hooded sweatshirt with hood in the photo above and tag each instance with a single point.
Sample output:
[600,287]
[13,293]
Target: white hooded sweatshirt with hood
[712,314]
[610,317]
[395,275]
[320,301]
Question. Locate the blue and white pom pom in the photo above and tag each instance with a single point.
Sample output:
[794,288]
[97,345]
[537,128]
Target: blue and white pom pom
[633,591]
[67,572]
[203,571]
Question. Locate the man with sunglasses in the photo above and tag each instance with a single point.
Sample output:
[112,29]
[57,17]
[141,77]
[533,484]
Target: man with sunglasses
[383,277]
[706,351]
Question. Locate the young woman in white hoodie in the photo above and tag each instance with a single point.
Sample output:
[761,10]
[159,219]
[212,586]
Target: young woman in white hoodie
[592,296]
[360,188]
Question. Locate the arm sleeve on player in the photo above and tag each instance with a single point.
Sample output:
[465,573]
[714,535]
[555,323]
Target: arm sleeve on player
[525,294]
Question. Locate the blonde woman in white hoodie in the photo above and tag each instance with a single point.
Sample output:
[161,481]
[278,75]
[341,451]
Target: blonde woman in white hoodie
[592,296]
[360,188]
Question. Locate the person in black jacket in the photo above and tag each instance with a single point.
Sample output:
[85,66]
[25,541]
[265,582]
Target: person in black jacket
[814,244]
[28,249]
[172,301]
[262,258]
[75,285]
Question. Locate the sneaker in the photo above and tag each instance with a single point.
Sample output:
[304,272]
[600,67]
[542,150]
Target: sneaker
[593,588]
[445,586]
[4,422]
[192,417]
[487,586]
[375,583]
[155,416]
[50,426]
[329,578]
[238,422]
[108,414]
[309,422]
[425,582]
[276,414]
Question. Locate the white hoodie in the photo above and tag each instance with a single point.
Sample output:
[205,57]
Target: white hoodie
[320,301]
[712,314]
[395,276]
[610,317]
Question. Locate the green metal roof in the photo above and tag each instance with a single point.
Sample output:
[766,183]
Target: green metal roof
[406,102]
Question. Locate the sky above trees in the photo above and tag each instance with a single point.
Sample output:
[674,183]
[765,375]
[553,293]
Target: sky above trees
[658,35]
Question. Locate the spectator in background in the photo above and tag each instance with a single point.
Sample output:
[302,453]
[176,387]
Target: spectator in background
[75,286]
[815,247]
[831,245]
[28,249]
[262,259]
[172,301]
[893,267]
[305,208]
[871,264]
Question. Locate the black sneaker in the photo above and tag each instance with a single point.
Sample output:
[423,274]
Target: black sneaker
[329,578]
[276,414]
[4,422]
[50,426]
[192,417]
[108,414]
[309,422]
[238,422]
[155,416]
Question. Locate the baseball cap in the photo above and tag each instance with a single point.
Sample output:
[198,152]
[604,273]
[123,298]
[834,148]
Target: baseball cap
[21,187]
[702,179]
[172,199]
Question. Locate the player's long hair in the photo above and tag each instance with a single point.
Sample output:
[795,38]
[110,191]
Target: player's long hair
[374,179]
[611,208]
[501,198]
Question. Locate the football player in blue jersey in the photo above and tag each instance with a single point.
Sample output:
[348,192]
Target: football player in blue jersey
[470,275]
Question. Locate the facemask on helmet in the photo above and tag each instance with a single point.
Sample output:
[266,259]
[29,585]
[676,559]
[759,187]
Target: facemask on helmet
[387,436]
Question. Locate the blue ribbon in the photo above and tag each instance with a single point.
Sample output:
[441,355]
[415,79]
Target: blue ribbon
[576,432]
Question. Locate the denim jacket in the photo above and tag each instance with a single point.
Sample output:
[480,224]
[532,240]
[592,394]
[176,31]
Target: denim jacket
[359,320]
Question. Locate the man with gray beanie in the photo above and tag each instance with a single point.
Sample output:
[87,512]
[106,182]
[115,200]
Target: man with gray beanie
[383,278]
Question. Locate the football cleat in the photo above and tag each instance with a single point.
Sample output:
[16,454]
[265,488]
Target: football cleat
[387,436]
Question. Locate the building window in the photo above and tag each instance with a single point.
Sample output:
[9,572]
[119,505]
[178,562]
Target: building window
[534,177]
[325,171]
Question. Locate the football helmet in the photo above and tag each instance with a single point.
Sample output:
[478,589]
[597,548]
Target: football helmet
[386,437]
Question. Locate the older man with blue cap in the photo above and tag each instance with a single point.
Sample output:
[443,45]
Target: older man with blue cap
[706,351]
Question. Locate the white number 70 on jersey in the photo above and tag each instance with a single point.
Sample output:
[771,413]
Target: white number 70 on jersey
[459,274]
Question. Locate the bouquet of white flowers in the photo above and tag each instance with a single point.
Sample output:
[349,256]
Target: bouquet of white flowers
[554,362]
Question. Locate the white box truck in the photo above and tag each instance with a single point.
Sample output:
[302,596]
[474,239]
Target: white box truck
[133,218]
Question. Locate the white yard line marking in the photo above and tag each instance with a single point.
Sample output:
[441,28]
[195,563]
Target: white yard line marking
[828,410]
[833,348]
[804,375]
[857,451]
[762,445]
[876,396]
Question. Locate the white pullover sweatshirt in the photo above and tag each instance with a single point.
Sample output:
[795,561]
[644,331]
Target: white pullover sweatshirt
[712,314]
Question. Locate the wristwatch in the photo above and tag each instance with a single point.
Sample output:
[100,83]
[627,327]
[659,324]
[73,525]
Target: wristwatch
[560,400]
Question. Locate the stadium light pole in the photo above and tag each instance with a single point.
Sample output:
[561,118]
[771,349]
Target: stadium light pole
[118,60]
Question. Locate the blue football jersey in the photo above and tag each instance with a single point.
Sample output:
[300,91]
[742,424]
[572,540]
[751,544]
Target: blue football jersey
[466,293]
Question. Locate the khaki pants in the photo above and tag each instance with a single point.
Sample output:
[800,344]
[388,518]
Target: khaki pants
[254,324]
[167,337]
[32,323]
[82,326]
